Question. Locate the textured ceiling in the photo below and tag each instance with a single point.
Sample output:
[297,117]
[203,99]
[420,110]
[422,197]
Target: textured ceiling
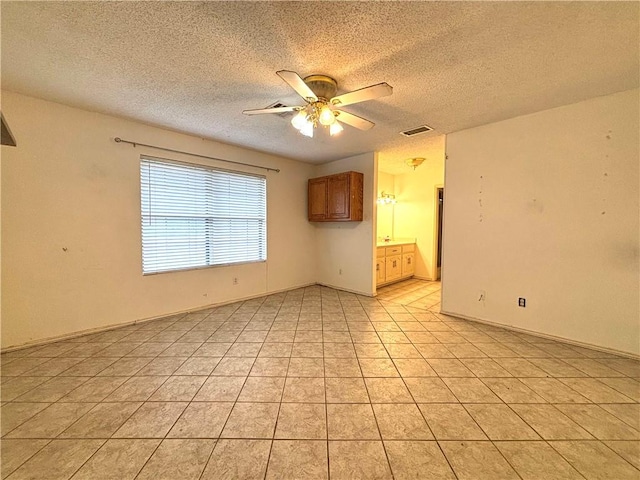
[194,66]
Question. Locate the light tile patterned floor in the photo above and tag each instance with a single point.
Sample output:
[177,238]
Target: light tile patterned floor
[413,293]
[316,383]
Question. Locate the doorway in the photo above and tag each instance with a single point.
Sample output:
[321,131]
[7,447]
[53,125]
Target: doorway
[438,236]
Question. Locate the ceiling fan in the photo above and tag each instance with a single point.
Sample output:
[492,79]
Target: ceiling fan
[322,104]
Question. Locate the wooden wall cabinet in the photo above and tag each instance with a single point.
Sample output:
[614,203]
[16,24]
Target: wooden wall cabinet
[336,198]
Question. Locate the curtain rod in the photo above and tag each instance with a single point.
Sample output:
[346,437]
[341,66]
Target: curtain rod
[135,144]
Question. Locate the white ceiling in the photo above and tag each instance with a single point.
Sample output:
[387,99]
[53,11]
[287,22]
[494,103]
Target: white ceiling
[194,66]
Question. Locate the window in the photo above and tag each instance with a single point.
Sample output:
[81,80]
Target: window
[195,216]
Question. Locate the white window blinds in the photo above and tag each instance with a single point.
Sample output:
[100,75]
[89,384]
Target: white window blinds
[195,216]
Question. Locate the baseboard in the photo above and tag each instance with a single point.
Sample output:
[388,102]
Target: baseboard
[545,335]
[357,292]
[393,282]
[412,277]
[106,328]
[428,279]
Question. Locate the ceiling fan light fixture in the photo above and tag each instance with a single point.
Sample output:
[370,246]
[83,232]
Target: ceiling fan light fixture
[326,116]
[299,119]
[307,129]
[335,128]
[319,93]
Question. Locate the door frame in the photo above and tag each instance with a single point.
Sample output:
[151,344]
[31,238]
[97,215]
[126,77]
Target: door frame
[435,273]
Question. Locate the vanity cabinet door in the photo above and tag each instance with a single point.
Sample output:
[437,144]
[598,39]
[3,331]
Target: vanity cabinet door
[380,271]
[393,267]
[408,264]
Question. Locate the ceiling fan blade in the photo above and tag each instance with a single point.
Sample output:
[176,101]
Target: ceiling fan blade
[271,110]
[362,95]
[295,82]
[353,120]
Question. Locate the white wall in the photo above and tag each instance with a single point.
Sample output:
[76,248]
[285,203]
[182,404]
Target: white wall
[545,207]
[415,211]
[71,246]
[349,246]
[385,212]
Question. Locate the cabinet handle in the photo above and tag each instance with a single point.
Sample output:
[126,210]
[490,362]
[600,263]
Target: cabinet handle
[394,264]
[409,260]
[378,267]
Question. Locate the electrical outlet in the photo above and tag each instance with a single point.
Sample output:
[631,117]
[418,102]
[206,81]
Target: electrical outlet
[235,280]
[522,302]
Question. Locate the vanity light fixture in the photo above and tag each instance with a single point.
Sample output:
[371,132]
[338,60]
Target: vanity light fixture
[386,198]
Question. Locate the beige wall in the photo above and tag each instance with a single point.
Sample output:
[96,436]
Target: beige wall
[545,207]
[346,250]
[385,211]
[71,246]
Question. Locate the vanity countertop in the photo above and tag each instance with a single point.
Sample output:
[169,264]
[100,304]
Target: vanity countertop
[393,243]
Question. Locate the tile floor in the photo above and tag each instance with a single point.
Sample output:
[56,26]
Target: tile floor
[315,384]
[413,293]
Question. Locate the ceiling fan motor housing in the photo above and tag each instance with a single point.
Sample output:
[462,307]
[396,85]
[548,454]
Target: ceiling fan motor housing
[323,86]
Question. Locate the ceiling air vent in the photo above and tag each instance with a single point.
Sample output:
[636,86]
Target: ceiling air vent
[278,105]
[416,131]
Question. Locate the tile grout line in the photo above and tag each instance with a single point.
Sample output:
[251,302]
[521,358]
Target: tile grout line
[275,426]
[427,423]
[190,402]
[161,440]
[602,442]
[326,405]
[217,440]
[384,447]
[49,440]
[235,402]
[423,417]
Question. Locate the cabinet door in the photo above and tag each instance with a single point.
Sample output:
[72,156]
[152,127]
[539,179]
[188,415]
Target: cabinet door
[380,271]
[408,264]
[317,199]
[393,267]
[338,196]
